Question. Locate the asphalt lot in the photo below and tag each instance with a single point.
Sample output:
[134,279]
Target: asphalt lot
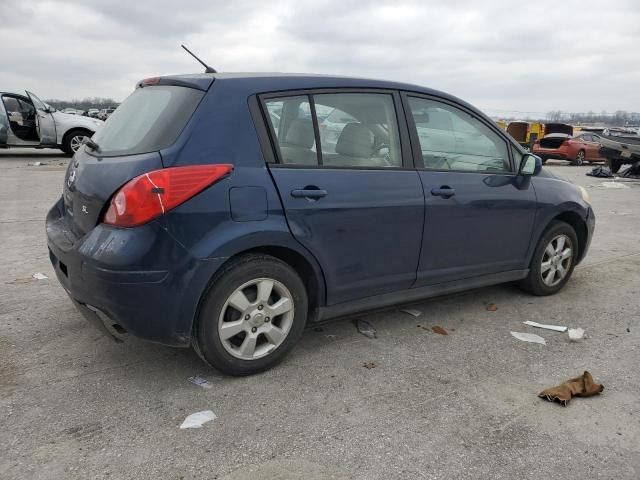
[74,404]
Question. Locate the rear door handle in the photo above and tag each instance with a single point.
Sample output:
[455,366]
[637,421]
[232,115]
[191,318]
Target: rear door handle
[444,192]
[310,193]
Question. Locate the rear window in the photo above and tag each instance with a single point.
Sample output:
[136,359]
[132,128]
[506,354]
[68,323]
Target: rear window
[150,119]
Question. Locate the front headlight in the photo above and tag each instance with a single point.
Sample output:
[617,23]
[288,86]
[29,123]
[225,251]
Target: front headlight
[585,195]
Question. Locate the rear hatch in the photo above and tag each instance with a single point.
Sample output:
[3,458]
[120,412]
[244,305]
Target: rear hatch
[550,128]
[518,130]
[554,140]
[128,145]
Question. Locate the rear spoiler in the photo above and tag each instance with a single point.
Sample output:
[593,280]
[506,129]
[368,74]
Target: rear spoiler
[198,81]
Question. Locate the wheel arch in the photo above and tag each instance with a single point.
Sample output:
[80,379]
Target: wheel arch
[303,263]
[578,224]
[65,134]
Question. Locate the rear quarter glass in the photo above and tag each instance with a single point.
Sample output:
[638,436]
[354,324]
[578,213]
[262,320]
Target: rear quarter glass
[149,119]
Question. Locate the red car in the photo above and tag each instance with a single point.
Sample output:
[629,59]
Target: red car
[584,147]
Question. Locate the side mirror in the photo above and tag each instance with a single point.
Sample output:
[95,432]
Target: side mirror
[530,164]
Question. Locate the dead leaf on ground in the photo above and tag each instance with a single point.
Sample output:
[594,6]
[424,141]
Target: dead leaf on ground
[369,365]
[492,307]
[439,330]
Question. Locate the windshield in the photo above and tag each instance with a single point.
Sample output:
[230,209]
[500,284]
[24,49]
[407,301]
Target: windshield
[150,119]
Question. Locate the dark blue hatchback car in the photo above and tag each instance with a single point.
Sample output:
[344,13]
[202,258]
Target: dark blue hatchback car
[224,211]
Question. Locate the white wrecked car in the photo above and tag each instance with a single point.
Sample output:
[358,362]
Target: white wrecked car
[26,121]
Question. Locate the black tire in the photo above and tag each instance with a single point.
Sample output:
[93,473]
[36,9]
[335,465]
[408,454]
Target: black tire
[614,164]
[69,136]
[580,158]
[534,283]
[206,340]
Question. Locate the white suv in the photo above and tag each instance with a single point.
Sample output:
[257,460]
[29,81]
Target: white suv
[26,121]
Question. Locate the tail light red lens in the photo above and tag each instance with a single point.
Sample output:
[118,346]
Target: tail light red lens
[152,194]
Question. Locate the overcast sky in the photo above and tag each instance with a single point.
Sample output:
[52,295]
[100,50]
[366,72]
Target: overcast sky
[532,56]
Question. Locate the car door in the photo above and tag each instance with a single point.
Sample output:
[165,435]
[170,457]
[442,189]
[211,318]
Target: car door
[592,147]
[359,206]
[44,121]
[479,213]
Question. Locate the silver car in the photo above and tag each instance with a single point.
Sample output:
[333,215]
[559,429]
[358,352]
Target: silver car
[26,121]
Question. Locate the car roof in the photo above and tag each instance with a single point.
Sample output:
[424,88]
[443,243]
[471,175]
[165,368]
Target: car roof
[260,82]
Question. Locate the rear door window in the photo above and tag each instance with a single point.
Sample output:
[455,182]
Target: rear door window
[150,119]
[354,130]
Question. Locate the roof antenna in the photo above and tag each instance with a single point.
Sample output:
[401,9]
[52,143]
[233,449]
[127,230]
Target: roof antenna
[207,68]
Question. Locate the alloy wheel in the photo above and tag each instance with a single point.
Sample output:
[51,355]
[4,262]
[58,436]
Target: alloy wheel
[580,158]
[556,260]
[76,142]
[256,318]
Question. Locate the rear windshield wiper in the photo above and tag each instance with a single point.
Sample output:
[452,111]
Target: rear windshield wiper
[91,144]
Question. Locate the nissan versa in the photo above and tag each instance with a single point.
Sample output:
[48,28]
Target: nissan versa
[225,211]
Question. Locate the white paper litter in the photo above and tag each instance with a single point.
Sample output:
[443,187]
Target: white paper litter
[529,337]
[576,334]
[40,276]
[196,420]
[614,185]
[556,328]
[412,311]
[200,381]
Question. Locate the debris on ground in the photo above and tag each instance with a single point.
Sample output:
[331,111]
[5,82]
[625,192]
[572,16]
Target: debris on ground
[556,328]
[632,172]
[196,420]
[331,337]
[582,386]
[20,280]
[492,307]
[439,330]
[529,337]
[576,334]
[366,328]
[628,330]
[601,172]
[369,365]
[200,381]
[613,185]
[411,311]
[318,329]
[34,164]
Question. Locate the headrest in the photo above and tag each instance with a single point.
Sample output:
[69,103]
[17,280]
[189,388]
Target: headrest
[300,133]
[356,140]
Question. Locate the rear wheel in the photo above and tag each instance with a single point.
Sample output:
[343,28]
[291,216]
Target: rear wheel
[553,260]
[74,139]
[252,315]
[580,158]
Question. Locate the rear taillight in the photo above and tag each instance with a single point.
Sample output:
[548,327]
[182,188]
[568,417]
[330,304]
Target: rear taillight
[151,194]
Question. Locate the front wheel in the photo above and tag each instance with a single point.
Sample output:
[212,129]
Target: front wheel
[553,260]
[73,140]
[580,158]
[253,314]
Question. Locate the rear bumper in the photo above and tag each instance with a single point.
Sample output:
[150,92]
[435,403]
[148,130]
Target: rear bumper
[138,280]
[550,153]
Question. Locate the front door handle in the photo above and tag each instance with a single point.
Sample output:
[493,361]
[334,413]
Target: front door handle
[444,192]
[310,193]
